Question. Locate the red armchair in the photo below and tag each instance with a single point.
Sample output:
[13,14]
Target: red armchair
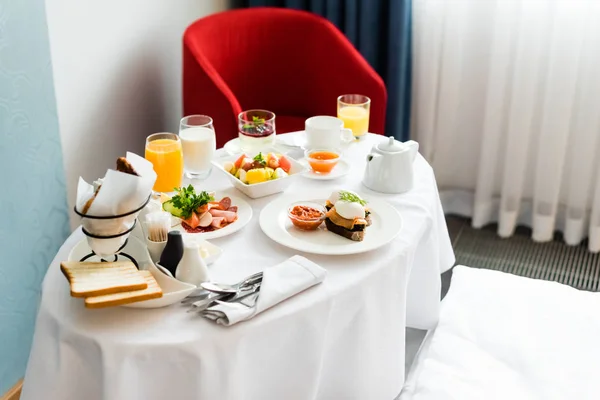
[293,63]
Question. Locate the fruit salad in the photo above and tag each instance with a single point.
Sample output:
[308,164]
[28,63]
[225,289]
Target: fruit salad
[259,169]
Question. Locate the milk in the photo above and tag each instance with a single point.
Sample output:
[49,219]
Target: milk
[199,146]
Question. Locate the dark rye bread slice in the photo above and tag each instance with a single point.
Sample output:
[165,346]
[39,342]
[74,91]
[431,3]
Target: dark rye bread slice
[357,236]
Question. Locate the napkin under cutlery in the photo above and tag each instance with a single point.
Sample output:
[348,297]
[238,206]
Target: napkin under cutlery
[279,283]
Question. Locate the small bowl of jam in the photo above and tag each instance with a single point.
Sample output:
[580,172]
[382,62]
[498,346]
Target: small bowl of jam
[322,161]
[306,215]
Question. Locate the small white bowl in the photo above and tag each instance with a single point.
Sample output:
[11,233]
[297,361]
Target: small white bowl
[264,188]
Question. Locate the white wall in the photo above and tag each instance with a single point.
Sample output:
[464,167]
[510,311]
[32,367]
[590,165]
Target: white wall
[117,76]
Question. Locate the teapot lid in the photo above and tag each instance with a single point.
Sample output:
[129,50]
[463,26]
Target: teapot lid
[391,145]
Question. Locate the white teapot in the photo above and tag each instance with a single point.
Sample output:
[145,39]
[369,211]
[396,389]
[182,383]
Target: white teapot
[390,166]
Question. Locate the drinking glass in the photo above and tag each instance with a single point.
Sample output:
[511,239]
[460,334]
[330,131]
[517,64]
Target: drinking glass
[163,150]
[354,110]
[256,130]
[199,143]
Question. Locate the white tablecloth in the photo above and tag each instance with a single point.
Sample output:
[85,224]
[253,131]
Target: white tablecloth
[343,339]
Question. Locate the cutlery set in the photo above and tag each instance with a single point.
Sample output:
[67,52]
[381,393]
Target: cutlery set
[244,292]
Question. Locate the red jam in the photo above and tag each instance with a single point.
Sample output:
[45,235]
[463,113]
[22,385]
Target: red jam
[306,218]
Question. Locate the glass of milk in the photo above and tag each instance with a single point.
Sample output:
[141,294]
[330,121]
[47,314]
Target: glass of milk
[199,144]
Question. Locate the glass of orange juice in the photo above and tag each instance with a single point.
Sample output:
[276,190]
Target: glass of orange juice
[354,110]
[163,150]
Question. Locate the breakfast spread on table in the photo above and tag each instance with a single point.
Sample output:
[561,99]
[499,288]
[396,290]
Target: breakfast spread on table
[166,263]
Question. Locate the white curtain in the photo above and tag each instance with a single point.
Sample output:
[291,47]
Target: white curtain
[506,107]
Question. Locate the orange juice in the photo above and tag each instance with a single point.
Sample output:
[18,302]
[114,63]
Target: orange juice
[167,158]
[355,118]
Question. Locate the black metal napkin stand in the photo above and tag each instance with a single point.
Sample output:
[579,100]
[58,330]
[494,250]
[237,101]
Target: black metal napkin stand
[126,232]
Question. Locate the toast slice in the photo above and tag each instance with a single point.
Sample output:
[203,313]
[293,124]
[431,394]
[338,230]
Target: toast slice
[124,166]
[98,278]
[88,204]
[153,291]
[357,236]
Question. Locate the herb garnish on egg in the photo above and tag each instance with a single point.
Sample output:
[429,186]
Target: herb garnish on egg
[351,198]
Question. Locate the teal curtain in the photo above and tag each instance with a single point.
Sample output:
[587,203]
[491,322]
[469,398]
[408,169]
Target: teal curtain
[33,207]
[381,31]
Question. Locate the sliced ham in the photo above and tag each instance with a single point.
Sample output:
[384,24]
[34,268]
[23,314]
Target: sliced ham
[217,222]
[232,209]
[229,216]
[205,220]
[214,205]
[225,203]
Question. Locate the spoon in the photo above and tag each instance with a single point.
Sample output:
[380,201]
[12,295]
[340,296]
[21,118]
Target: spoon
[227,289]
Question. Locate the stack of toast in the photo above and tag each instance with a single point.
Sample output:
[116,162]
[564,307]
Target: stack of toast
[109,284]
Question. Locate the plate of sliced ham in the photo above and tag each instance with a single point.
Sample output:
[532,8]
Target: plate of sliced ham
[222,217]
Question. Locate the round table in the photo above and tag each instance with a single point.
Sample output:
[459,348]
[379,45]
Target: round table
[342,339]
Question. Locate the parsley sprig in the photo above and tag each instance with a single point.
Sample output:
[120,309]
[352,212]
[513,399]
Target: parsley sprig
[351,198]
[187,200]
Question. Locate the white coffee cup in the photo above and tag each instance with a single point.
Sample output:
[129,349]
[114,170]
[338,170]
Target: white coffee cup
[325,132]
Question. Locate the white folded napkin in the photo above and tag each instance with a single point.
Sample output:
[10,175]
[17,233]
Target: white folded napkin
[119,194]
[279,283]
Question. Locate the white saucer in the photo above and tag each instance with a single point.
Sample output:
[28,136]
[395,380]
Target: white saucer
[283,146]
[341,169]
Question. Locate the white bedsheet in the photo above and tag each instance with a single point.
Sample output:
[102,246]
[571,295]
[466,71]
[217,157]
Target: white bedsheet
[506,337]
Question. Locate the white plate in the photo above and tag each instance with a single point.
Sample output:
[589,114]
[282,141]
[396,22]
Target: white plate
[281,145]
[173,290]
[341,169]
[262,189]
[276,225]
[244,216]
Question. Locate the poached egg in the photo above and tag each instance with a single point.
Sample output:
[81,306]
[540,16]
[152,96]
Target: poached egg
[335,195]
[349,210]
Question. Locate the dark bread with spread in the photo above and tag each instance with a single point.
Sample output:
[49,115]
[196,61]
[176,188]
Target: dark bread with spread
[356,235]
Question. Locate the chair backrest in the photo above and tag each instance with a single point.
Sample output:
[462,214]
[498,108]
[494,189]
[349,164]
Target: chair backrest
[288,61]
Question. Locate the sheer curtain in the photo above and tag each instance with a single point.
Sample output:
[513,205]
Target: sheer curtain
[505,107]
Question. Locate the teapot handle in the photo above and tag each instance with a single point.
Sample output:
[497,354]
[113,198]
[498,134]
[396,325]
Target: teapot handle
[413,147]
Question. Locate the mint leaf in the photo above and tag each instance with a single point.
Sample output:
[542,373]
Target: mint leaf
[260,158]
[258,121]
